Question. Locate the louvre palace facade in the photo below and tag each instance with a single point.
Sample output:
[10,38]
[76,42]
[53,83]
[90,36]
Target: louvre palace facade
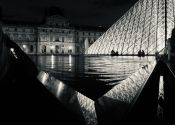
[54,36]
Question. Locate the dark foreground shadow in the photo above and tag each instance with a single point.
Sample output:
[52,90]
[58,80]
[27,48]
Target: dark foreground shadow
[110,111]
[23,99]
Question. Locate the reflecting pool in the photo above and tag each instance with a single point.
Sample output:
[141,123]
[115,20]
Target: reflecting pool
[91,75]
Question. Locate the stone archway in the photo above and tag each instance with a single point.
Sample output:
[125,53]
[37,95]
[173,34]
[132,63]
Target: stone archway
[57,49]
[43,49]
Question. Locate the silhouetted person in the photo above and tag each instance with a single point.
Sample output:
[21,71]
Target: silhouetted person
[116,53]
[112,52]
[139,53]
[142,53]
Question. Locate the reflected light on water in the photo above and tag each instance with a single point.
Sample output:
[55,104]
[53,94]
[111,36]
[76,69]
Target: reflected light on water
[106,69]
[70,60]
[52,61]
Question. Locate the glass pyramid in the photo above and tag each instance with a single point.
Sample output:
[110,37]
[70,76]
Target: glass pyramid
[145,26]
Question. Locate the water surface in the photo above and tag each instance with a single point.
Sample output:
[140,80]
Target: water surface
[91,75]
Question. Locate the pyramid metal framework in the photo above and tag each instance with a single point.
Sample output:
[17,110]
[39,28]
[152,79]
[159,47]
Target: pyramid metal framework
[145,26]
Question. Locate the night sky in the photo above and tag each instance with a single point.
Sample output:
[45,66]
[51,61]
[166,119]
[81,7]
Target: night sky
[83,12]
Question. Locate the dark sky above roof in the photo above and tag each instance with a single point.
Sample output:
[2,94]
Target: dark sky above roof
[84,12]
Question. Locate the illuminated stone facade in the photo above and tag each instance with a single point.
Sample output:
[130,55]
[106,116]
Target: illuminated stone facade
[145,26]
[56,36]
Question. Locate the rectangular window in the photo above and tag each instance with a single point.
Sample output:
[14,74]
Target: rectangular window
[62,39]
[56,39]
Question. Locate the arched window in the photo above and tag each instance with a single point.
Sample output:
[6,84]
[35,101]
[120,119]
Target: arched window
[57,49]
[62,51]
[31,48]
[43,49]
[70,51]
[51,51]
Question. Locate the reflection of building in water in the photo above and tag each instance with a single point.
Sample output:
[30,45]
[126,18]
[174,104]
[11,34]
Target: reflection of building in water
[64,67]
[56,36]
[106,69]
[145,26]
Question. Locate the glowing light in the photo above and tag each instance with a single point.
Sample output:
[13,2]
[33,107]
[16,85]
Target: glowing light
[70,47]
[70,61]
[51,47]
[13,51]
[52,61]
[24,46]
